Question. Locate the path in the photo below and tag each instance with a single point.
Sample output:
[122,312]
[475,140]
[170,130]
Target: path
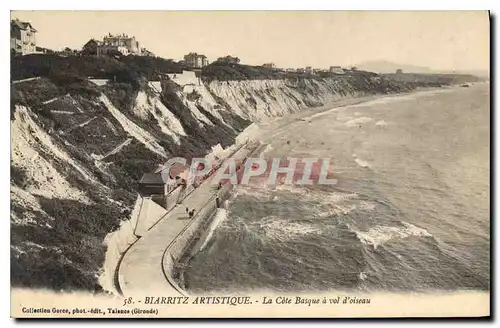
[141,269]
[26,80]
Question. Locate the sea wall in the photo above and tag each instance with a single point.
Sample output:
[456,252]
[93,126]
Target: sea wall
[117,243]
[195,229]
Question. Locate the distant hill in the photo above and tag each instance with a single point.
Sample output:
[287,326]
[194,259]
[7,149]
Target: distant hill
[384,66]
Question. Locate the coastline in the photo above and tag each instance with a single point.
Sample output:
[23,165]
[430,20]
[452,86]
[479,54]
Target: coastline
[265,126]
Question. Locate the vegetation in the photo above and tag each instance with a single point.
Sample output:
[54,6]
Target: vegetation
[99,67]
[18,176]
[69,255]
[228,72]
[23,67]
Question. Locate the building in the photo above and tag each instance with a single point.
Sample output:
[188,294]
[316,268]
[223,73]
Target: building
[152,184]
[68,52]
[146,52]
[228,60]
[22,37]
[155,183]
[119,44]
[195,60]
[269,65]
[336,70]
[290,70]
[399,71]
[301,70]
[309,70]
[42,50]
[91,47]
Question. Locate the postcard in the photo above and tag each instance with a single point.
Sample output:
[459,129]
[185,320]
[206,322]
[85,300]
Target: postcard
[250,164]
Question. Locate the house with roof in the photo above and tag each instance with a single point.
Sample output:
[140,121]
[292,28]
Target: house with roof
[114,44]
[91,47]
[269,65]
[22,37]
[195,60]
[336,70]
[146,52]
[228,60]
[164,190]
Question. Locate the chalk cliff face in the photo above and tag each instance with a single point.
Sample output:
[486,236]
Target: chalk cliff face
[257,99]
[79,146]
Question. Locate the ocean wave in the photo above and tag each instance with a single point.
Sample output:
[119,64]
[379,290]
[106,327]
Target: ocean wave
[383,101]
[379,235]
[361,162]
[358,121]
[266,150]
[282,229]
[335,109]
[323,197]
[257,191]
[337,210]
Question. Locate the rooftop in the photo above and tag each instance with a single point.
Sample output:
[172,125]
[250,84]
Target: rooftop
[152,178]
[175,170]
[22,25]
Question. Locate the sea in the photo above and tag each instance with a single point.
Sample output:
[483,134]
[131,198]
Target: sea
[410,210]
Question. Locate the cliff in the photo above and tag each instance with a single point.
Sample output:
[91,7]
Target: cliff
[85,129]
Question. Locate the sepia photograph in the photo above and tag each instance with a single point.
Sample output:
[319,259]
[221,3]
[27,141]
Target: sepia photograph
[236,164]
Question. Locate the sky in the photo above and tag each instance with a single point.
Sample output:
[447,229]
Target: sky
[441,40]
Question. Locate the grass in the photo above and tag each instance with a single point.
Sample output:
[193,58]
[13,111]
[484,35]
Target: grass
[71,252]
[103,67]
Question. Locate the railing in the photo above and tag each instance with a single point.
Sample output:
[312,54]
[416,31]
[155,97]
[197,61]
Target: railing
[189,231]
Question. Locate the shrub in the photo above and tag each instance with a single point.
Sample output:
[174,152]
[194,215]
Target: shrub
[72,252]
[18,176]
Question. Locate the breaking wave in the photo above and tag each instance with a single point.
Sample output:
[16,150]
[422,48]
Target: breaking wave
[282,229]
[379,235]
[358,121]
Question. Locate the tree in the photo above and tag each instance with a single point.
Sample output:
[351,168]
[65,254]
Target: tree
[228,60]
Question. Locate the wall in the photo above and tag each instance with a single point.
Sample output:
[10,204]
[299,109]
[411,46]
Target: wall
[187,77]
[247,134]
[150,214]
[185,243]
[117,243]
[189,237]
